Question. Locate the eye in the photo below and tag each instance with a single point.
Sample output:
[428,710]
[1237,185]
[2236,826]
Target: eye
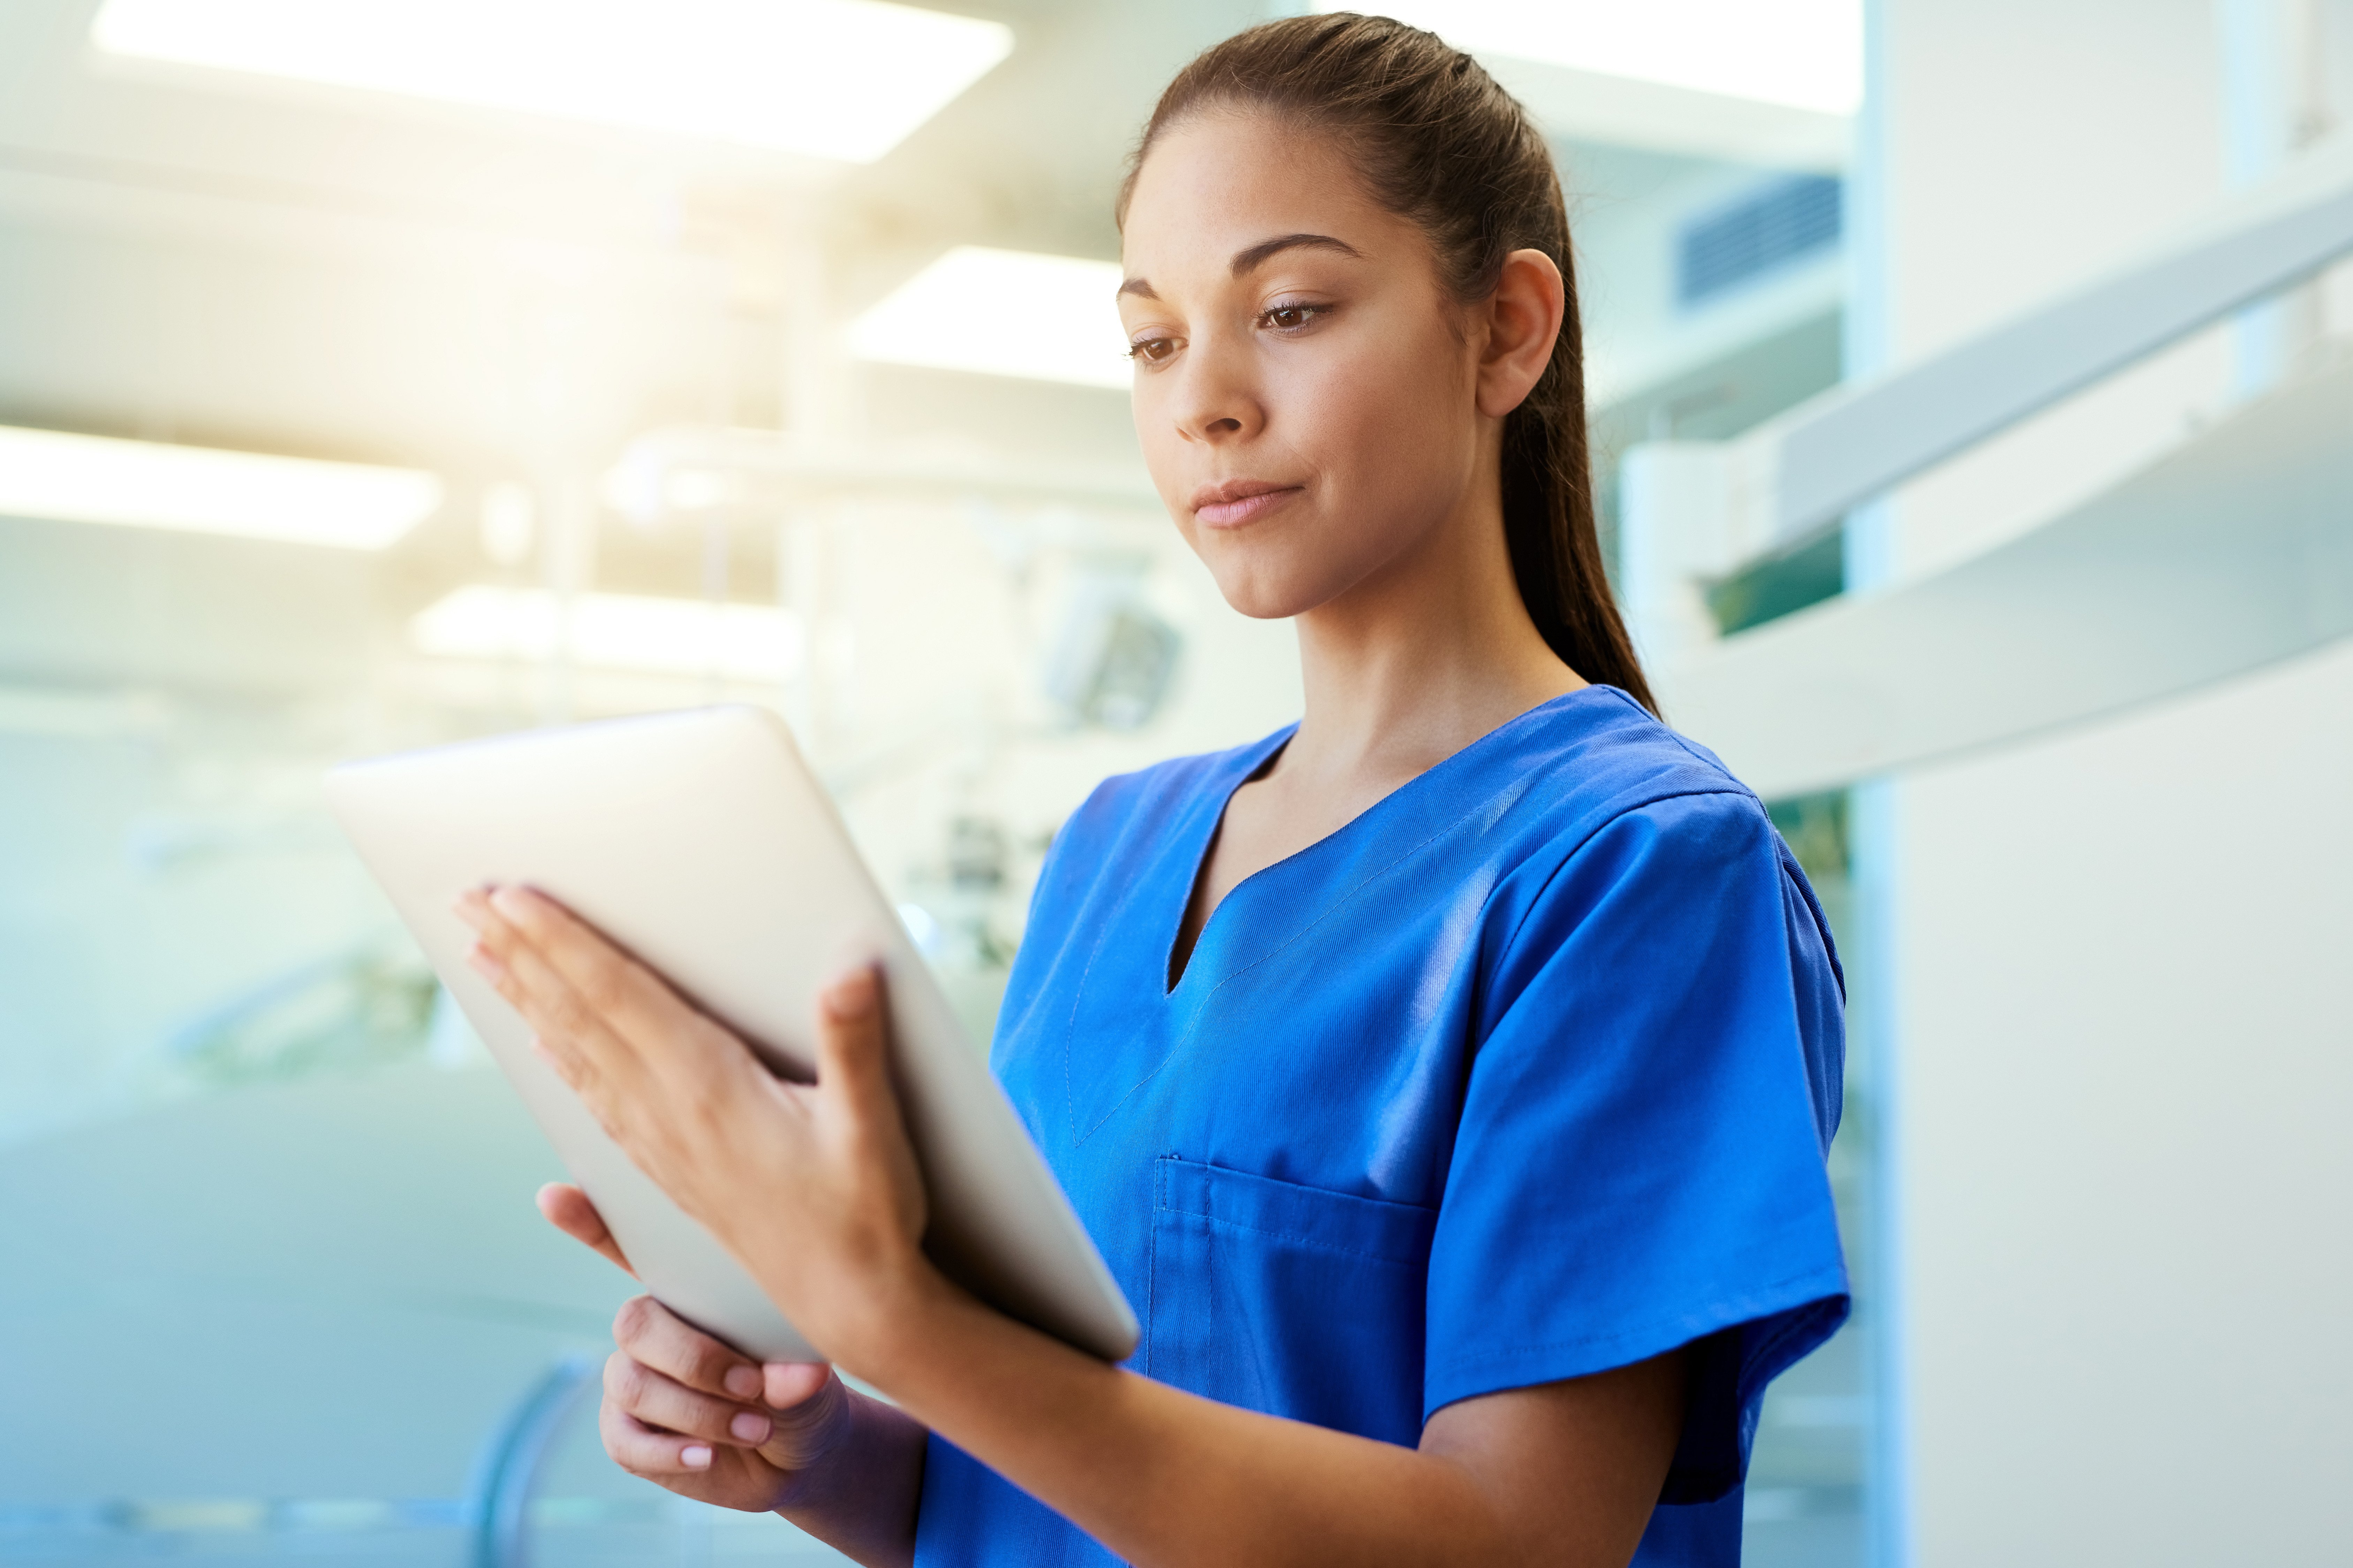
[1291,316]
[1152,350]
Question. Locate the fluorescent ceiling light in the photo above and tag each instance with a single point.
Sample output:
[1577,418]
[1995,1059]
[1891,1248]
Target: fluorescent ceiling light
[614,631]
[1805,54]
[830,78]
[202,490]
[1003,312]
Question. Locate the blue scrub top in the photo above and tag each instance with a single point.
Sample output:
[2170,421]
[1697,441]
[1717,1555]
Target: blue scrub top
[1528,1072]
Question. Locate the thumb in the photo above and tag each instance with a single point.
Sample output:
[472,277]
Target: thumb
[785,1384]
[567,1208]
[851,1056]
[810,1414]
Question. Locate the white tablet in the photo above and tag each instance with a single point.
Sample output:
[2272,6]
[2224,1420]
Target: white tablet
[700,843]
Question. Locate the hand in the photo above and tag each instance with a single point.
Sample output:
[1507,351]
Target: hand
[686,1413]
[814,1187]
[678,1410]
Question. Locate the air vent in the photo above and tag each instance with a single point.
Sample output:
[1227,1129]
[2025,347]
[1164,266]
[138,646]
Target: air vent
[1764,230]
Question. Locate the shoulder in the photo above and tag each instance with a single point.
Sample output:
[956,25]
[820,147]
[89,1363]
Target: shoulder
[1618,819]
[1597,765]
[1638,830]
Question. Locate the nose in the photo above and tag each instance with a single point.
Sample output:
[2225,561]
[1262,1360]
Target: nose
[1216,398]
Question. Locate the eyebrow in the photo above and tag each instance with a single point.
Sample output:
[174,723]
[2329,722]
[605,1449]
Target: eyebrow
[1265,250]
[1252,259]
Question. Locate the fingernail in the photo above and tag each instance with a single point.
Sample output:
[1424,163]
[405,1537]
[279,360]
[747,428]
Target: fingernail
[852,996]
[696,1458]
[510,900]
[743,1382]
[479,960]
[749,1429]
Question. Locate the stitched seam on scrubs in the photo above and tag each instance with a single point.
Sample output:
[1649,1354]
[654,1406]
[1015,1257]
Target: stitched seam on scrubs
[1650,1326]
[1216,1223]
[1152,1262]
[1795,1323]
[1536,900]
[1380,1214]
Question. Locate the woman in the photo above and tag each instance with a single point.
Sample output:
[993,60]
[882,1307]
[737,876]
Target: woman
[1446,1078]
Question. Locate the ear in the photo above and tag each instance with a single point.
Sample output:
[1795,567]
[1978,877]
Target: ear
[1523,320]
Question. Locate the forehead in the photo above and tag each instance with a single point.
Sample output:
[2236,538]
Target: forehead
[1221,180]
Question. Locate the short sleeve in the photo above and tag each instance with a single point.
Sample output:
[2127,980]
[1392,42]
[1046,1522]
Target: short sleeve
[1640,1163]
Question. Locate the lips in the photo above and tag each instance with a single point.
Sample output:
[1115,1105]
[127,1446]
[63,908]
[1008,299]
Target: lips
[1237,502]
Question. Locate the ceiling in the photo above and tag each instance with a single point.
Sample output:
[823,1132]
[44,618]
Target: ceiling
[494,297]
[337,276]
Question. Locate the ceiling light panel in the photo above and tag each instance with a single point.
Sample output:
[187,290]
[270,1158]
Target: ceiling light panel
[201,490]
[1802,54]
[613,631]
[844,79]
[1003,312]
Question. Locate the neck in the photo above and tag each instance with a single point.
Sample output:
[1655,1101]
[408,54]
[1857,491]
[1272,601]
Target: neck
[1421,658]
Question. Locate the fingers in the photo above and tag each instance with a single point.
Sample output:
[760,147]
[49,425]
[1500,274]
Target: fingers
[643,1451]
[653,1335]
[605,981]
[653,1400]
[571,1035]
[608,1026]
[567,1208]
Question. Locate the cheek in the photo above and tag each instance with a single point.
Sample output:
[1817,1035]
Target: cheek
[1164,449]
[1393,440]
[1387,430]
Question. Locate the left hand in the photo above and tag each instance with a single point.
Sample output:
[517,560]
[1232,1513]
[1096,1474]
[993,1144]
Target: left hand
[813,1187]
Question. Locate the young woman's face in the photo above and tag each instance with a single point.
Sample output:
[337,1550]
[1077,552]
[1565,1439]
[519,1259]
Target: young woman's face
[1305,387]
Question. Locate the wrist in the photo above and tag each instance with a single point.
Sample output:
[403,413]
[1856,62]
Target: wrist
[863,1498]
[895,1317]
[861,1318]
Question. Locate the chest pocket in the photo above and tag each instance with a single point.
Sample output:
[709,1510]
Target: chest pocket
[1289,1300]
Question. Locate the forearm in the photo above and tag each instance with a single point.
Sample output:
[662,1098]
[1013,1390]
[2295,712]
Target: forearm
[1167,1480]
[861,1498]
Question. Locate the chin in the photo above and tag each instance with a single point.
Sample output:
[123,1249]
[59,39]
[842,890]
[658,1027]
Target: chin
[1265,592]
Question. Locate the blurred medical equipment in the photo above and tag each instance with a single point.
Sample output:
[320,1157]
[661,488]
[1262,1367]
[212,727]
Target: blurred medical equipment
[2226,553]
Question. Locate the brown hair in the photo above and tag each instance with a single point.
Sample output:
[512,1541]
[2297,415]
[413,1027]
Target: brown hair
[1438,144]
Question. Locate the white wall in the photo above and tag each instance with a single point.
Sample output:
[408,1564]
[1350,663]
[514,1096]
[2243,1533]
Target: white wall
[2122,1010]
[2127,1027]
[2031,145]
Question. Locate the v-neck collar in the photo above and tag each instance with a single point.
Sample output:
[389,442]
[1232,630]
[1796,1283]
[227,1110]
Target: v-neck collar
[1258,758]
[1250,760]
[1244,765]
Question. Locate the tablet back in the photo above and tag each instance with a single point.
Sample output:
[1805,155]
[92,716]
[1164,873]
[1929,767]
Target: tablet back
[700,843]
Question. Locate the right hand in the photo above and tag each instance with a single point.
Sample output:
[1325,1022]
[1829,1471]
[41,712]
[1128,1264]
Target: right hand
[685,1412]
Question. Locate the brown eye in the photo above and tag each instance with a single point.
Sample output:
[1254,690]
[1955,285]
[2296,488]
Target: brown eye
[1152,350]
[1290,317]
